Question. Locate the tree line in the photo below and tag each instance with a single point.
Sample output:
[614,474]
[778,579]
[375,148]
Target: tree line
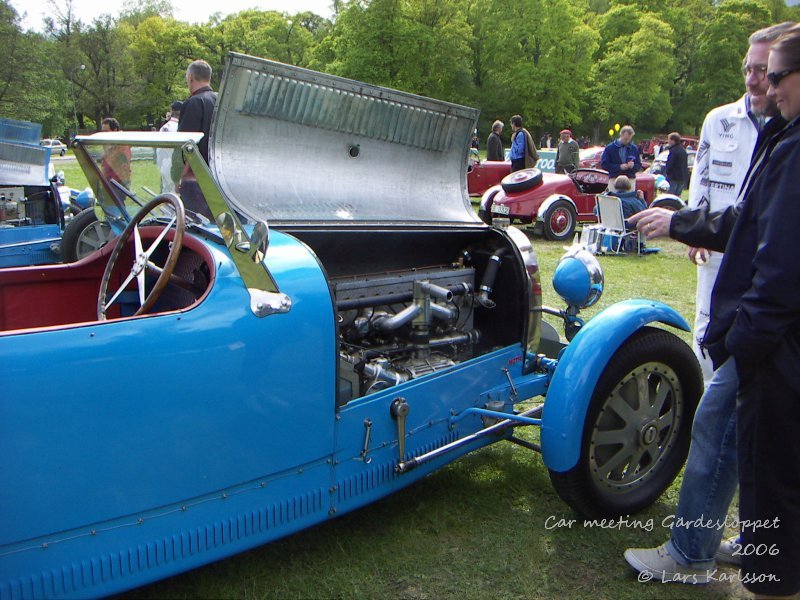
[585,64]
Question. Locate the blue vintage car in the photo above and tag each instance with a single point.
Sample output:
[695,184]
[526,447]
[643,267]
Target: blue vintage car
[36,208]
[293,335]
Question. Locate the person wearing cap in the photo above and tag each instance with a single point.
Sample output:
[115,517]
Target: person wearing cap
[567,154]
[164,155]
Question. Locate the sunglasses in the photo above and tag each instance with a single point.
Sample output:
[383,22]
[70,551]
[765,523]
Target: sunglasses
[776,78]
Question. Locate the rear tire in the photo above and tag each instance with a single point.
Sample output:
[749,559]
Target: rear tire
[559,221]
[638,427]
[83,235]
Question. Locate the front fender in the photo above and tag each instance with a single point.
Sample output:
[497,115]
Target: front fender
[579,369]
[549,201]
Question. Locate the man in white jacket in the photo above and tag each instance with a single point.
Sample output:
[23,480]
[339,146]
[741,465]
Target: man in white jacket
[723,156]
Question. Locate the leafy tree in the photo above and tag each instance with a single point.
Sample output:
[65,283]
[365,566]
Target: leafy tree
[160,51]
[538,67]
[627,86]
[418,46]
[23,69]
[722,45]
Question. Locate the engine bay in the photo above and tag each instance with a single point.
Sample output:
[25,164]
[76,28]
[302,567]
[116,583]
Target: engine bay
[427,301]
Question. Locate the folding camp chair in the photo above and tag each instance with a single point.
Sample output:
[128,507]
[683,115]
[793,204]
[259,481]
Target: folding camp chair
[613,236]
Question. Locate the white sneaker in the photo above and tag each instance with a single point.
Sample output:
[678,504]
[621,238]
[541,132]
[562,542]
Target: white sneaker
[657,564]
[730,552]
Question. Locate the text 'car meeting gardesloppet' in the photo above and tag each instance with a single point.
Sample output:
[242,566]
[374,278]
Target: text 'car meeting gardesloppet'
[342,326]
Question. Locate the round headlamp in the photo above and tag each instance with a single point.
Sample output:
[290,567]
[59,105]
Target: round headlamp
[578,278]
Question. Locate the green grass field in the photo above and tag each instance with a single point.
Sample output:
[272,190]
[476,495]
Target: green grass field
[480,528]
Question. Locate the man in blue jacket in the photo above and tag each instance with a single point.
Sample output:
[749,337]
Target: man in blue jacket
[621,157]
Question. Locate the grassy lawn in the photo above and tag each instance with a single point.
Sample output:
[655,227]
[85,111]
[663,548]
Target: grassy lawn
[478,528]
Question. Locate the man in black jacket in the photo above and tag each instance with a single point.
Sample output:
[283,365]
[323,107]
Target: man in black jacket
[755,319]
[709,482]
[198,109]
[494,144]
[196,115]
[677,169]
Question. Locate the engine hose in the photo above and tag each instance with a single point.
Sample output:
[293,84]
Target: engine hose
[487,283]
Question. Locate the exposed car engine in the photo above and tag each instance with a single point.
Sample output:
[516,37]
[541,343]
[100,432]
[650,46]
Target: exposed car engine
[398,326]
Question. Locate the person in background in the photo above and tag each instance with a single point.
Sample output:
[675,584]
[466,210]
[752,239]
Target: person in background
[567,154]
[677,168]
[198,108]
[621,157]
[196,115]
[116,161]
[738,305]
[475,142]
[163,155]
[632,200]
[523,150]
[494,143]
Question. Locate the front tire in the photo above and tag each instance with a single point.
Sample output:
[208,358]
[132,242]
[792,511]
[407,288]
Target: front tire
[638,427]
[559,221]
[83,235]
[485,210]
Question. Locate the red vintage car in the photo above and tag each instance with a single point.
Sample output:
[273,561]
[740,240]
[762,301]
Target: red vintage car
[555,204]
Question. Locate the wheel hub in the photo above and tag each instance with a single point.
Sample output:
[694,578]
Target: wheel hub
[648,434]
[636,429]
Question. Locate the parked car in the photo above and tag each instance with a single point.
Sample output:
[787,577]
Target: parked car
[556,204]
[56,146]
[590,157]
[660,163]
[308,350]
[35,223]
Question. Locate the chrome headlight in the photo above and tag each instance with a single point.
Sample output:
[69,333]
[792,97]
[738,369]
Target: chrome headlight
[578,278]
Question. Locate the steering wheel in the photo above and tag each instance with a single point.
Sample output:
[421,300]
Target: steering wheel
[141,261]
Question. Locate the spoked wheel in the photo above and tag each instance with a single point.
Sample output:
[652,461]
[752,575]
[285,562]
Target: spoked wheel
[141,262]
[559,221]
[83,235]
[638,427]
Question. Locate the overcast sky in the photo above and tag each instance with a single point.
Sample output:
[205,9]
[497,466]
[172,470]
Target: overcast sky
[193,11]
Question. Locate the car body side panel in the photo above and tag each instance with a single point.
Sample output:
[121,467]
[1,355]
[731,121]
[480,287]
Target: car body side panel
[30,245]
[579,368]
[432,401]
[192,403]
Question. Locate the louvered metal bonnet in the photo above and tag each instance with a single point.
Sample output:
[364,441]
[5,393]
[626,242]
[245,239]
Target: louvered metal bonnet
[292,145]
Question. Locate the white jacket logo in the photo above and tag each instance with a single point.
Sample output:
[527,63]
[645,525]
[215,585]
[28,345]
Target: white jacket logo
[727,125]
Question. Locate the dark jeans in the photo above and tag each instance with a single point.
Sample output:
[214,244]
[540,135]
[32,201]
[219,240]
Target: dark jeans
[676,187]
[768,421]
[517,164]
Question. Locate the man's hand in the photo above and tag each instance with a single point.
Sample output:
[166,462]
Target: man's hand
[699,256]
[652,222]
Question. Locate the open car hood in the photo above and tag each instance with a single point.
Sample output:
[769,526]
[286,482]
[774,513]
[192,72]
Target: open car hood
[296,146]
[22,160]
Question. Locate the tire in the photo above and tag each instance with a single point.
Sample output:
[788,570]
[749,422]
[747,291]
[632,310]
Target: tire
[485,215]
[669,369]
[559,221]
[519,181]
[83,235]
[63,152]
[668,203]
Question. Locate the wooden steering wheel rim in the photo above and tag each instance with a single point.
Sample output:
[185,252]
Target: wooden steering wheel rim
[169,265]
